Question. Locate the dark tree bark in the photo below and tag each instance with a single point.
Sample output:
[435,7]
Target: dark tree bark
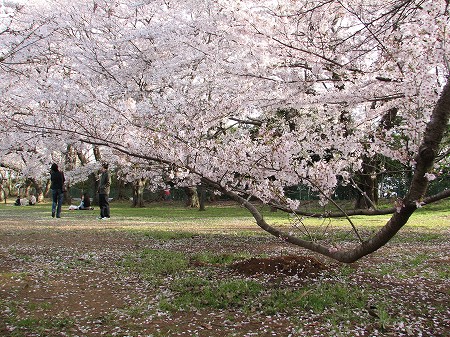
[38,188]
[71,161]
[121,190]
[192,199]
[94,178]
[367,181]
[47,187]
[3,195]
[367,186]
[202,199]
[138,192]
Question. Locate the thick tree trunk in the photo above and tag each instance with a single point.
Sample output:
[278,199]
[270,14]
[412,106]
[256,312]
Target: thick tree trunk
[120,190]
[368,179]
[71,161]
[9,186]
[192,199]
[39,191]
[92,178]
[47,188]
[367,185]
[138,192]
[202,200]
[94,182]
[3,195]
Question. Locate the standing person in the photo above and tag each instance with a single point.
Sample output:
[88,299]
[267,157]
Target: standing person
[103,192]
[57,183]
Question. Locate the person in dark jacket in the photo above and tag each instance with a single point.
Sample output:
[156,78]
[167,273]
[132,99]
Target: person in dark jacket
[103,192]
[57,183]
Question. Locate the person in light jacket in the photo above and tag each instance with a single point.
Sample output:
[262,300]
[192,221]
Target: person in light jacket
[103,192]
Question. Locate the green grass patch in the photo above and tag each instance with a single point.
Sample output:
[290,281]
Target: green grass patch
[151,263]
[39,325]
[30,325]
[317,298]
[15,275]
[191,293]
[33,306]
[195,292]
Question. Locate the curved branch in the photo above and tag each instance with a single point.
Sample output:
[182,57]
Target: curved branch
[424,163]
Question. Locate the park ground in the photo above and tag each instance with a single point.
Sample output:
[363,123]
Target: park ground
[169,271]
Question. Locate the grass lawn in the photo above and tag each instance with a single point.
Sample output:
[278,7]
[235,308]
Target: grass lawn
[165,270]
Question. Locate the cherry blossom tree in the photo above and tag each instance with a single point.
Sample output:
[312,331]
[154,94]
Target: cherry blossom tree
[193,88]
